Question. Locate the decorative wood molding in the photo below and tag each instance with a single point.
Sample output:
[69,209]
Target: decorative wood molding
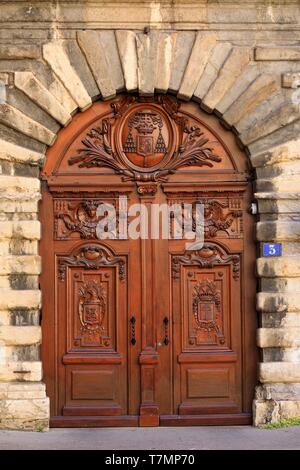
[91,256]
[208,256]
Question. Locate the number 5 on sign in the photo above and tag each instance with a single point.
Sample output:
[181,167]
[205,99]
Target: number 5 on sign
[271,249]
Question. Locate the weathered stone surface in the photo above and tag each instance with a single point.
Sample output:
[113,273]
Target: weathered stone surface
[278,302]
[91,45]
[259,90]
[285,152]
[20,335]
[25,409]
[282,135]
[12,152]
[272,206]
[272,230]
[20,51]
[272,411]
[12,117]
[20,264]
[126,41]
[29,229]
[278,337]
[184,44]
[79,64]
[109,43]
[19,390]
[55,55]
[212,68]
[279,184]
[165,58]
[281,372]
[201,51]
[248,75]
[26,82]
[277,53]
[286,114]
[278,267]
[231,70]
[286,169]
[24,299]
[19,184]
[291,80]
[26,371]
[278,391]
[147,47]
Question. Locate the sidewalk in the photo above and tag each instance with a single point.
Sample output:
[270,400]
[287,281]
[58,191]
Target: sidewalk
[191,438]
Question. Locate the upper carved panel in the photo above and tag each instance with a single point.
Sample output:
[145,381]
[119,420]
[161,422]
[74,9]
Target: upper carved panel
[143,139]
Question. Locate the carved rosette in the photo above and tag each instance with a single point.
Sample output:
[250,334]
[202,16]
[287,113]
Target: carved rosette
[91,256]
[208,256]
[146,140]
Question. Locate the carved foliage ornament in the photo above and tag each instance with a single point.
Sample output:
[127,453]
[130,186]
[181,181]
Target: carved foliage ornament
[91,257]
[208,256]
[145,140]
[92,309]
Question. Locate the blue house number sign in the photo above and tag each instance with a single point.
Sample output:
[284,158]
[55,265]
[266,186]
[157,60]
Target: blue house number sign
[271,249]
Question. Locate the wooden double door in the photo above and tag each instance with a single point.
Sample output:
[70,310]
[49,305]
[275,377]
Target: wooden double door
[141,328]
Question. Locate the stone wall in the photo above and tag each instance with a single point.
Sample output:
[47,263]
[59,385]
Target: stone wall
[240,60]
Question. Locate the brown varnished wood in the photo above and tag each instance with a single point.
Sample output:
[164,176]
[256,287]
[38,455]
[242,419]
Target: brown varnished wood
[153,151]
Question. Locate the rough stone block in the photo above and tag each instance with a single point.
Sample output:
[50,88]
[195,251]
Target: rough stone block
[278,302]
[19,51]
[259,90]
[91,45]
[12,117]
[201,51]
[29,84]
[27,371]
[23,299]
[126,41]
[57,58]
[231,70]
[278,337]
[277,53]
[29,229]
[165,57]
[278,267]
[277,231]
[279,372]
[147,46]
[20,335]
[291,80]
[20,264]
[183,48]
[212,68]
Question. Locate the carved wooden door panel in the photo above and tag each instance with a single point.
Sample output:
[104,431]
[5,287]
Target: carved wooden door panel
[140,327]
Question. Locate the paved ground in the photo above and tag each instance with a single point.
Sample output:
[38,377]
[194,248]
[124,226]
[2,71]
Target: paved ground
[192,438]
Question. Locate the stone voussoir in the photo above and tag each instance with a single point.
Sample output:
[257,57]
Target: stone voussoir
[201,51]
[34,89]
[126,41]
[57,58]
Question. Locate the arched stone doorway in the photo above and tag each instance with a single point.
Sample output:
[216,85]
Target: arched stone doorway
[140,327]
[249,88]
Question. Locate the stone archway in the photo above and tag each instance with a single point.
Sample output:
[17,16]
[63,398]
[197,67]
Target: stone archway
[244,88]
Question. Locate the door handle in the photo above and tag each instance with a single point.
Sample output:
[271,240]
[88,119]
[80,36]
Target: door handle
[166,324]
[132,330]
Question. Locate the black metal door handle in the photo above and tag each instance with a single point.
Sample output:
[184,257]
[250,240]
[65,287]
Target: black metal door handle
[166,324]
[132,330]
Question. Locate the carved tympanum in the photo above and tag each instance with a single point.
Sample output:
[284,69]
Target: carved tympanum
[91,256]
[145,140]
[208,256]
